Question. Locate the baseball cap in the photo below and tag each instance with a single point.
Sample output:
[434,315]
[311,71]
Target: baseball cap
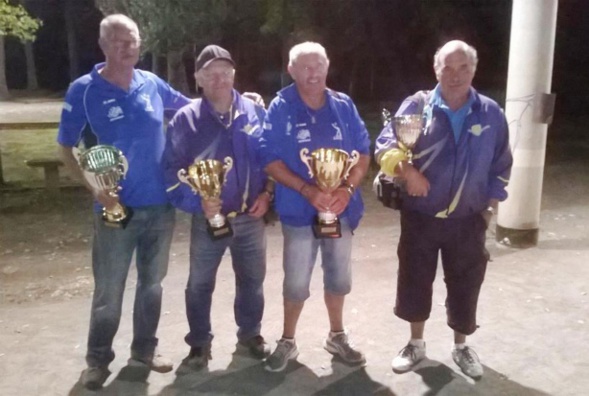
[211,53]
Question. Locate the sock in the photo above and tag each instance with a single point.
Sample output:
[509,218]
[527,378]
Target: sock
[334,333]
[418,342]
[290,340]
[459,346]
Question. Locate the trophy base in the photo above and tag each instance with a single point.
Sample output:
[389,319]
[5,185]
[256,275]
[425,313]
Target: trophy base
[327,231]
[220,232]
[117,220]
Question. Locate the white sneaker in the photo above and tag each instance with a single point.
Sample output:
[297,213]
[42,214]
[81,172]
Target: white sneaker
[468,361]
[285,351]
[407,358]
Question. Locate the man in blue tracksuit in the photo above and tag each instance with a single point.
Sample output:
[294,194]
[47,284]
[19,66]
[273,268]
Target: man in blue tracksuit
[309,115]
[219,125]
[461,166]
[119,105]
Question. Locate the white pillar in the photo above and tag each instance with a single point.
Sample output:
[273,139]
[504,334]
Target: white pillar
[528,110]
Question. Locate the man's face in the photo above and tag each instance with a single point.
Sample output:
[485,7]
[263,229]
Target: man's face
[456,74]
[121,46]
[309,72]
[216,79]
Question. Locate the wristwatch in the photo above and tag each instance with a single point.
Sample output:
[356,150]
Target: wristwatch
[349,188]
[270,194]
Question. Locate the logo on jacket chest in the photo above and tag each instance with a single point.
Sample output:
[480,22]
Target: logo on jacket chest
[115,113]
[147,101]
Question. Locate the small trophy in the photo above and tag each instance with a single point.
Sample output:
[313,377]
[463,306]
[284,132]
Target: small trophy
[329,167]
[408,128]
[206,177]
[103,167]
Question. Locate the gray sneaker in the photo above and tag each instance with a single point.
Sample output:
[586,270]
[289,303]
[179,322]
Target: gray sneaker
[157,362]
[407,358]
[285,351]
[197,359]
[340,345]
[468,361]
[94,377]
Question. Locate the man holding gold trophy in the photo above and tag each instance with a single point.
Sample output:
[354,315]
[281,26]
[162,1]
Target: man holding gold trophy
[117,113]
[455,175]
[316,147]
[212,171]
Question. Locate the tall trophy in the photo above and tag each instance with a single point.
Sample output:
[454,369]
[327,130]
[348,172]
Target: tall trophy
[329,167]
[103,167]
[206,177]
[408,128]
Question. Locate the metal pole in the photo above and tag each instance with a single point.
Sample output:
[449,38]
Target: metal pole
[528,109]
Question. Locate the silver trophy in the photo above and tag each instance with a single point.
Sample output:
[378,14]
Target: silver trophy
[408,128]
[329,167]
[103,167]
[207,177]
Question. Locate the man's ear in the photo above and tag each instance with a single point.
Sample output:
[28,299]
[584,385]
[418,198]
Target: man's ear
[289,69]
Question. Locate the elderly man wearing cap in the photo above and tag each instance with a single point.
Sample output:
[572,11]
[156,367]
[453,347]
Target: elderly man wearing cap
[221,124]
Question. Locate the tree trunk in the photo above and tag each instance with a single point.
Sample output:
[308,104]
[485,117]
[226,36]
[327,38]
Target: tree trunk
[177,72]
[3,86]
[155,66]
[72,42]
[32,83]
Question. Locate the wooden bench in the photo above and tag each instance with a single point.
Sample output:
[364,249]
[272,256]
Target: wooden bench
[51,168]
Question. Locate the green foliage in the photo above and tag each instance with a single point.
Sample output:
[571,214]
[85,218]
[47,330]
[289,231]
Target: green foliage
[16,22]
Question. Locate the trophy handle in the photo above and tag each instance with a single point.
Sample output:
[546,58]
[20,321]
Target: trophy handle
[123,164]
[182,176]
[386,117]
[305,159]
[76,152]
[352,161]
[227,167]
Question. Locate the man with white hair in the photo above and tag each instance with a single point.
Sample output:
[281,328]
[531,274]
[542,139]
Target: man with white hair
[118,105]
[308,115]
[461,166]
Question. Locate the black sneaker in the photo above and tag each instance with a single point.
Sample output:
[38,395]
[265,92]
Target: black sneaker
[257,347]
[197,359]
[94,377]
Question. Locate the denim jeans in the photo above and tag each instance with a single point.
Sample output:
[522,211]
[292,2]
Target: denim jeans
[300,253]
[248,256]
[149,235]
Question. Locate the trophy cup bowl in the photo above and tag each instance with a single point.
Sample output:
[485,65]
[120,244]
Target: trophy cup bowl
[408,129]
[328,166]
[206,178]
[103,167]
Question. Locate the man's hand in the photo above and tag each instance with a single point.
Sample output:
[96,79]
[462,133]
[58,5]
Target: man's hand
[320,200]
[340,199]
[260,206]
[417,184]
[108,200]
[256,97]
[211,207]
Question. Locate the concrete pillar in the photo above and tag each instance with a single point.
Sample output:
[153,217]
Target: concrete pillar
[528,110]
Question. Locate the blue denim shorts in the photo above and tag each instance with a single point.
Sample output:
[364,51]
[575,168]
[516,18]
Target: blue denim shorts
[300,253]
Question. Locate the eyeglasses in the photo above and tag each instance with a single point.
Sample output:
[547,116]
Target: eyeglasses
[132,44]
[224,75]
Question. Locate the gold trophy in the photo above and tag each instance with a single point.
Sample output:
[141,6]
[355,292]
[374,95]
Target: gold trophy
[103,167]
[408,129]
[329,167]
[206,177]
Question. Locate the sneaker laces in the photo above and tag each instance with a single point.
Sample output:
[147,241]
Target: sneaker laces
[469,355]
[409,351]
[282,348]
[344,341]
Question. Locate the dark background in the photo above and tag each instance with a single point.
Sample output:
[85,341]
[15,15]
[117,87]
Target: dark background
[404,39]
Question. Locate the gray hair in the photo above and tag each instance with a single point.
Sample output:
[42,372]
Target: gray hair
[306,48]
[109,23]
[455,45]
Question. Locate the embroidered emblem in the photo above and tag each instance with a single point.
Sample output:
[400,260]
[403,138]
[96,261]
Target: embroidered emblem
[148,107]
[477,129]
[115,113]
[304,135]
[338,132]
